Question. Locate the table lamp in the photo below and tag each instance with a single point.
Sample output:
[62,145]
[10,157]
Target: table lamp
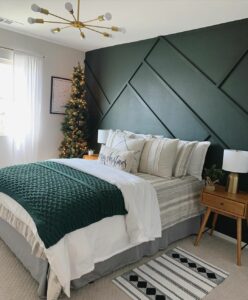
[102,136]
[234,161]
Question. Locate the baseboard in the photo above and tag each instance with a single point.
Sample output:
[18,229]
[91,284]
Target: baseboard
[227,238]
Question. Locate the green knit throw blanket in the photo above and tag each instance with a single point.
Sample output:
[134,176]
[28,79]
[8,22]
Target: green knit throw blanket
[60,199]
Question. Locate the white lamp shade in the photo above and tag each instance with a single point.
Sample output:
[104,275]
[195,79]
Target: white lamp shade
[235,161]
[102,136]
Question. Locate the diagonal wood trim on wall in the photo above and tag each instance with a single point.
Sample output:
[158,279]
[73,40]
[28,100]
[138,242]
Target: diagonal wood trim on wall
[191,85]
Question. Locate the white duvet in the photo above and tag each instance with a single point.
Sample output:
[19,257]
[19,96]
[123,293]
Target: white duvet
[76,253]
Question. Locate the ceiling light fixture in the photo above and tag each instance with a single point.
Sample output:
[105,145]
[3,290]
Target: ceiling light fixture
[75,23]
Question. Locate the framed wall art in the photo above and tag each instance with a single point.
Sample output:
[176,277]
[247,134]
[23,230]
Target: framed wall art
[60,94]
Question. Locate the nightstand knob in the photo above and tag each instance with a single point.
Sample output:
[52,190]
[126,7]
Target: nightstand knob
[221,203]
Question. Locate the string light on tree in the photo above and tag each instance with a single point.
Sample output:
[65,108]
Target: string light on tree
[74,126]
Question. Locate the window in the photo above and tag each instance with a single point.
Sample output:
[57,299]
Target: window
[6,88]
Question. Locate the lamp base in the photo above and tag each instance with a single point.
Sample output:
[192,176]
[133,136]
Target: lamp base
[232,183]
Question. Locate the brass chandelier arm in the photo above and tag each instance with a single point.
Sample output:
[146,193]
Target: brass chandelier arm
[59,17]
[80,30]
[74,18]
[94,30]
[81,33]
[88,21]
[98,26]
[78,10]
[66,27]
[54,22]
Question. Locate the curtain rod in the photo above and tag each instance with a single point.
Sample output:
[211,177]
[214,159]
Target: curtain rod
[21,51]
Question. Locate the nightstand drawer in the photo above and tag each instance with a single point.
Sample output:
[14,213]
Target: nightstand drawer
[225,205]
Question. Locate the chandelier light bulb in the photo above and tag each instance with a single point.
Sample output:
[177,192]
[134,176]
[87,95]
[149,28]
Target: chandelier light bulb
[122,29]
[107,16]
[69,7]
[31,20]
[35,8]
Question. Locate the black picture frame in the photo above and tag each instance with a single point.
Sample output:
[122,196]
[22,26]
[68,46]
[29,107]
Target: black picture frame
[60,94]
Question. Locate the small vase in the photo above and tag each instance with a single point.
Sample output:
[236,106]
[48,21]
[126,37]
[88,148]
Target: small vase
[210,188]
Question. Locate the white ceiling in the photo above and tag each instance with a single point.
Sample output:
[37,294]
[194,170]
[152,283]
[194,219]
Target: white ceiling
[142,19]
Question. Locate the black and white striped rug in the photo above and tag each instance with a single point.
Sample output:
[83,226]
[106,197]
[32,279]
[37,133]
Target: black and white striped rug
[176,275]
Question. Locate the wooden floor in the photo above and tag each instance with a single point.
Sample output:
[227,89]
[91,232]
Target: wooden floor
[17,284]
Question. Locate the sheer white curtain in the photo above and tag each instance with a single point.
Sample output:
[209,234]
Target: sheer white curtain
[24,116]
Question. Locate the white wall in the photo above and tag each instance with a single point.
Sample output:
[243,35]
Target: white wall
[59,61]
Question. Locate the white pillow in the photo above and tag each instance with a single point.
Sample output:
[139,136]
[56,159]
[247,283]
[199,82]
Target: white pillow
[122,160]
[184,151]
[141,135]
[111,136]
[197,159]
[137,135]
[120,141]
[158,157]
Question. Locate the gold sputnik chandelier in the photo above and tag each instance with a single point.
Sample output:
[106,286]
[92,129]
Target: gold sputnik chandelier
[75,23]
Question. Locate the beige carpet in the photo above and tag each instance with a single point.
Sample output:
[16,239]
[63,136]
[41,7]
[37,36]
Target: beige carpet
[17,284]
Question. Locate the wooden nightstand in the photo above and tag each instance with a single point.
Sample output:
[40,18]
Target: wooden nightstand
[91,157]
[230,205]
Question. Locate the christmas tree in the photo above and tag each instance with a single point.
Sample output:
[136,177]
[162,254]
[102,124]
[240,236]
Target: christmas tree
[74,126]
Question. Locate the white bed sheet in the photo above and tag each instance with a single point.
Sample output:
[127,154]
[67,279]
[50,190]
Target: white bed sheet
[76,253]
[79,251]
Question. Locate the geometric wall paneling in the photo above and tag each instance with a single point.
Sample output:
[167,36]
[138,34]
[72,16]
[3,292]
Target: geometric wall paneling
[179,118]
[201,95]
[107,65]
[215,153]
[243,179]
[213,49]
[192,85]
[94,112]
[234,85]
[134,116]
[95,90]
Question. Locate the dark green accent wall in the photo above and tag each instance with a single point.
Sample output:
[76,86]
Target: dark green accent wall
[191,85]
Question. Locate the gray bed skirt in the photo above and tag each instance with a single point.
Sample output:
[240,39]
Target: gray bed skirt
[39,268]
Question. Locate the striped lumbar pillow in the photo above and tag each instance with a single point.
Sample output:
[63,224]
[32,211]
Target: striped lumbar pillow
[158,157]
[197,159]
[184,151]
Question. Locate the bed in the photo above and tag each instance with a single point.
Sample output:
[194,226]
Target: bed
[71,221]
[168,204]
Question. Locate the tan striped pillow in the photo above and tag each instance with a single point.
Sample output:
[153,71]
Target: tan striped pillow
[184,151]
[158,157]
[197,159]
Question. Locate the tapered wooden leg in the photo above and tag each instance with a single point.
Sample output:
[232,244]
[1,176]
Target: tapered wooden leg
[203,225]
[214,223]
[239,238]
